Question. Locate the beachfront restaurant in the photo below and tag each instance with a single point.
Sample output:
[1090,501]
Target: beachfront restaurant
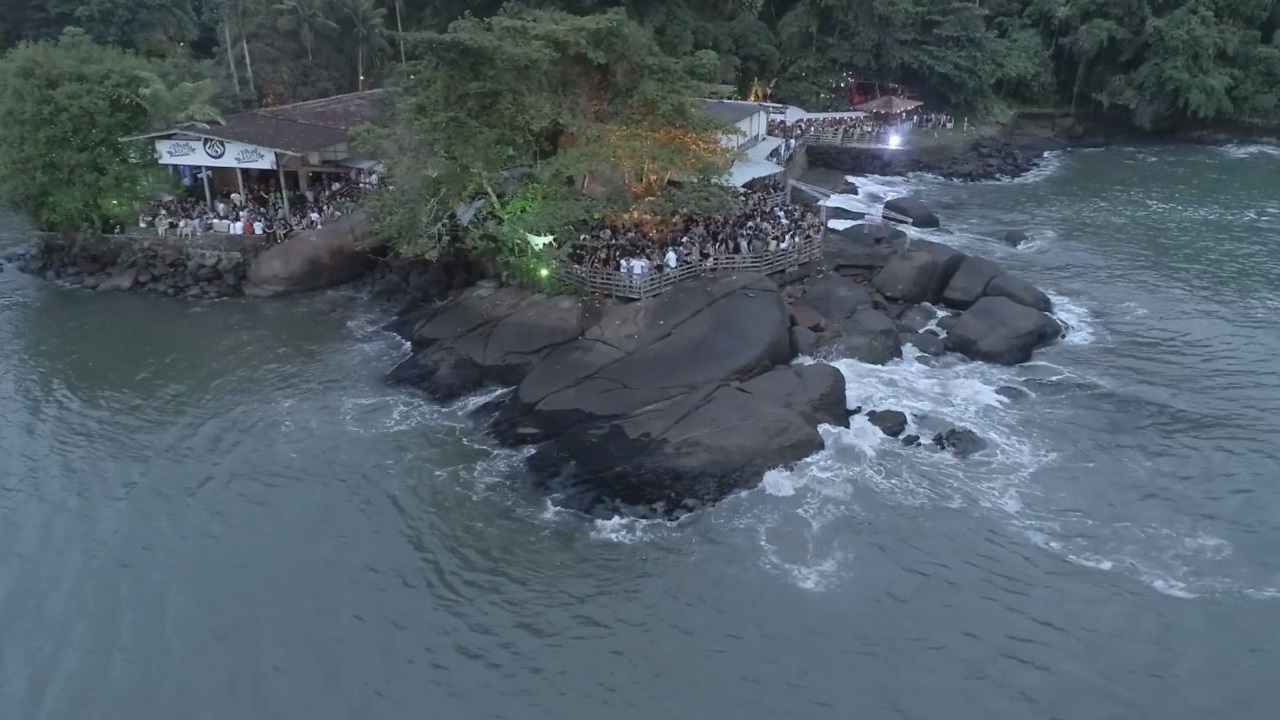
[290,146]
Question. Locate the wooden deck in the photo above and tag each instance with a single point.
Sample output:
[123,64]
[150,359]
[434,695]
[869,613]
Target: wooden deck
[622,285]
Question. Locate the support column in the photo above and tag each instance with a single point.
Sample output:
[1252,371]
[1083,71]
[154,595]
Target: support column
[240,182]
[208,194]
[284,190]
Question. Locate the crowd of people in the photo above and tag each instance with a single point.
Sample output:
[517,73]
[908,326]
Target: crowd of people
[259,211]
[933,121]
[843,126]
[763,226]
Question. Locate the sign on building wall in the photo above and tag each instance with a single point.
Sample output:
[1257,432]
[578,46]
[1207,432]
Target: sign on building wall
[211,152]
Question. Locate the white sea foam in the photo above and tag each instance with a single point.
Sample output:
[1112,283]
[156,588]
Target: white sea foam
[1081,327]
[839,225]
[1246,151]
[1048,165]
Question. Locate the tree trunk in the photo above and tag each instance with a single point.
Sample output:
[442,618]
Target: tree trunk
[399,32]
[248,67]
[360,66]
[231,60]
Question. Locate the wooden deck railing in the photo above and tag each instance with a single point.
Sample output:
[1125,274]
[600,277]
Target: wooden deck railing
[638,287]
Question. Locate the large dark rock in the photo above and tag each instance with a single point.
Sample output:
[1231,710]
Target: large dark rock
[916,318]
[729,327]
[669,458]
[1019,291]
[927,343]
[891,422]
[960,441]
[486,336]
[920,214]
[836,297]
[949,261]
[815,392]
[999,330]
[313,259]
[869,336]
[909,277]
[124,279]
[969,282]
[803,341]
[1015,238]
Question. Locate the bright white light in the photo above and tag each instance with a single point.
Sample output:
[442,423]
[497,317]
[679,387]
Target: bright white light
[895,140]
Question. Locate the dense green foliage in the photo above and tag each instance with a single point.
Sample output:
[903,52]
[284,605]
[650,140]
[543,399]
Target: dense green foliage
[1154,62]
[63,106]
[596,122]
[486,89]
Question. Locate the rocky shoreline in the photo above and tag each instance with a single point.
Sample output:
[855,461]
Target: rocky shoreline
[659,407]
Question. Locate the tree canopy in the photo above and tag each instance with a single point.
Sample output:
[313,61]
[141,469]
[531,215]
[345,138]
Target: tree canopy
[64,105]
[597,120]
[1155,63]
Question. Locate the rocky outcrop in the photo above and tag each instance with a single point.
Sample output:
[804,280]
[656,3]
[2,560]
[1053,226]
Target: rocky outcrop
[920,214]
[891,422]
[122,263]
[650,408]
[869,336]
[909,277]
[999,330]
[1015,238]
[981,159]
[1018,290]
[969,282]
[960,441]
[313,259]
[487,336]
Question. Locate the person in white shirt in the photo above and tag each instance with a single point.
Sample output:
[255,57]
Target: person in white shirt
[237,228]
[259,228]
[314,219]
[237,200]
[671,259]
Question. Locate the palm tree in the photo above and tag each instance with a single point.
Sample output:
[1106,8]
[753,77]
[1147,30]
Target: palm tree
[369,23]
[170,105]
[304,17]
[242,13]
[399,31]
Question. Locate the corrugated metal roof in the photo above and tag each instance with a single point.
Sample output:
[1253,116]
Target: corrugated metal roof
[297,129]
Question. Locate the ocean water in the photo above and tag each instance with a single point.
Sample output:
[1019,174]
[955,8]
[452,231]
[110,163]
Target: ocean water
[218,510]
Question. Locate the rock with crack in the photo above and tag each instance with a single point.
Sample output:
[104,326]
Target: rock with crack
[724,328]
[891,422]
[697,448]
[869,336]
[487,336]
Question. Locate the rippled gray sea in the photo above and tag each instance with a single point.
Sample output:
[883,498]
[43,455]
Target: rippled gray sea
[218,511]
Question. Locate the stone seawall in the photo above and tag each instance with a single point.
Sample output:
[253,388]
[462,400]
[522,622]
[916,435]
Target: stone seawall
[207,267]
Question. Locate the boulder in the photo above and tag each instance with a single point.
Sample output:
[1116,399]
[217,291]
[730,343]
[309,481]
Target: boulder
[911,441]
[969,282]
[486,336]
[815,391]
[869,336]
[312,259]
[927,343]
[1015,238]
[836,297]
[1019,291]
[960,441]
[119,280]
[949,261]
[999,330]
[442,373]
[909,277]
[665,459]
[804,316]
[803,341]
[920,214]
[891,422]
[724,328]
[916,318]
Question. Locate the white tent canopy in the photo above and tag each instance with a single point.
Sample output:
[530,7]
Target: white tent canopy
[745,170]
